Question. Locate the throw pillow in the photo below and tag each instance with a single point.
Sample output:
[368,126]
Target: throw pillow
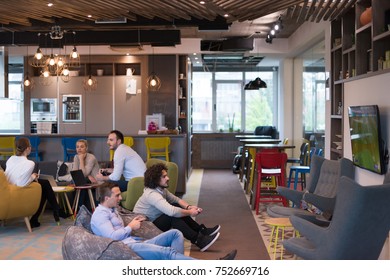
[63,171]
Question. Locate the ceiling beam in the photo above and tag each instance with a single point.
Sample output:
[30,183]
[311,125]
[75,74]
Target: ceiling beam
[129,37]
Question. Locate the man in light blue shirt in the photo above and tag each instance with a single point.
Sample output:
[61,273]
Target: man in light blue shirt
[126,162]
[106,222]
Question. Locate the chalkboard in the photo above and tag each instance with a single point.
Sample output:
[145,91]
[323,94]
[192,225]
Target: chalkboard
[163,103]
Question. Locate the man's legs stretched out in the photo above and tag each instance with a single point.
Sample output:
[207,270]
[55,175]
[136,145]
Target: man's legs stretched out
[166,246]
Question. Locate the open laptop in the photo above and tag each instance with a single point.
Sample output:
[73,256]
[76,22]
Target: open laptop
[52,182]
[79,180]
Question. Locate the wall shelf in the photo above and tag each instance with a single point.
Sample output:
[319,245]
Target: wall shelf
[355,55]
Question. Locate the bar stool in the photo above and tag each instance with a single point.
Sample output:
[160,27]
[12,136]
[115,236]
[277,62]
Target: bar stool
[157,147]
[270,164]
[278,224]
[7,146]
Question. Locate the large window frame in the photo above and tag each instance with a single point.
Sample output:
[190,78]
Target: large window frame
[240,121]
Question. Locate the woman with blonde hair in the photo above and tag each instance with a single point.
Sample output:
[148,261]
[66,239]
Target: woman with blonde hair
[85,161]
[19,171]
[88,163]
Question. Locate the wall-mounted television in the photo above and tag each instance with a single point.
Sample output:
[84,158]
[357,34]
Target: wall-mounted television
[366,138]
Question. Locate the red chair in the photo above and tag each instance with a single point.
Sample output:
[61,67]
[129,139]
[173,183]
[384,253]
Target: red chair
[270,164]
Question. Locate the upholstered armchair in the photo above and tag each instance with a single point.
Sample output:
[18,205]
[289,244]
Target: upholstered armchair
[358,230]
[135,189]
[17,201]
[320,190]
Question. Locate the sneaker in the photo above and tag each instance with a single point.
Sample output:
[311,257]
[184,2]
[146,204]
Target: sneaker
[230,256]
[34,223]
[209,231]
[205,241]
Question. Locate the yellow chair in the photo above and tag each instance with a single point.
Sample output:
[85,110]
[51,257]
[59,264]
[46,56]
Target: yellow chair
[127,140]
[7,147]
[18,202]
[157,147]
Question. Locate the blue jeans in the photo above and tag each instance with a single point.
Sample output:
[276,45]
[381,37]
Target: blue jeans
[168,245]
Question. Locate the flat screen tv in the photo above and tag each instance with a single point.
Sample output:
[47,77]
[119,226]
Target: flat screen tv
[366,138]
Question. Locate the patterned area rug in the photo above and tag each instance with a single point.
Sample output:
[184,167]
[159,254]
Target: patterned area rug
[44,243]
[265,231]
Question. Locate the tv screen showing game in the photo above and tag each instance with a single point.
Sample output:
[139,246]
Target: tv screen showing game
[366,141]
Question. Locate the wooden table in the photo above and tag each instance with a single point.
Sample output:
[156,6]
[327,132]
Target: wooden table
[90,195]
[245,143]
[252,136]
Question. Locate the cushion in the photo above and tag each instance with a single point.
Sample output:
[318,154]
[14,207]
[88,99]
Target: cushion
[63,171]
[83,218]
[80,243]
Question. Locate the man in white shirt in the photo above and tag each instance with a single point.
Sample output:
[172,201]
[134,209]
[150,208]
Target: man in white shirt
[126,162]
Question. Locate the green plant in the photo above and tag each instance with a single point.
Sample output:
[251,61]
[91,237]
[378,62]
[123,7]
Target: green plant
[231,124]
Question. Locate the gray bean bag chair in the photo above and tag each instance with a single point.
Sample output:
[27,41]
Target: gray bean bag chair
[80,243]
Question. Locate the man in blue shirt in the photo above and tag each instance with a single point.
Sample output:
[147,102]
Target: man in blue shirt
[106,222]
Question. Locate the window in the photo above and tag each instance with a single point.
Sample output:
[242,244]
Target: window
[220,103]
[11,108]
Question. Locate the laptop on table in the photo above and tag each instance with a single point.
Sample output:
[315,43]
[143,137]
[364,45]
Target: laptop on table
[52,182]
[79,180]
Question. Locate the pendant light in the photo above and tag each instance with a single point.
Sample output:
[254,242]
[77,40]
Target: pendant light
[90,82]
[74,57]
[39,58]
[28,83]
[153,82]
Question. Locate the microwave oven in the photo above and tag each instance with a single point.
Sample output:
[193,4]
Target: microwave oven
[43,109]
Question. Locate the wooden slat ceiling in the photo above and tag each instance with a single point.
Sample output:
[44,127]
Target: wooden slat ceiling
[32,15]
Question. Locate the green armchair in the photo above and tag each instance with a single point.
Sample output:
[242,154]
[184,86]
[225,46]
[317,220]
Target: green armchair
[135,187]
[173,172]
[17,201]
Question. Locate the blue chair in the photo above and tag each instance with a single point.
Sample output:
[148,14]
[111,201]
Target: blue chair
[35,141]
[69,145]
[304,168]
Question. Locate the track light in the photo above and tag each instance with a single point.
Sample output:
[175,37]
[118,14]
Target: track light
[268,39]
[277,26]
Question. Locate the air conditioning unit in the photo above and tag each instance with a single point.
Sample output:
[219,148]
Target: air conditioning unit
[111,20]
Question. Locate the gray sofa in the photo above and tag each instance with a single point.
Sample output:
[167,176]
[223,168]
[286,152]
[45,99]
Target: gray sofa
[80,243]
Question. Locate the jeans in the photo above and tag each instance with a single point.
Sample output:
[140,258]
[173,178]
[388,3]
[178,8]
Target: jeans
[168,245]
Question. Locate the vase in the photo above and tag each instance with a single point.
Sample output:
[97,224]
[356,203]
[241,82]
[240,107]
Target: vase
[366,16]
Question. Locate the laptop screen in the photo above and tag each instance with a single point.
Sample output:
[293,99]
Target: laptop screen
[78,178]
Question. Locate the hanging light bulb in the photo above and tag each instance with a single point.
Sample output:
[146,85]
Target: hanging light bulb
[45,78]
[74,53]
[52,60]
[90,83]
[153,82]
[27,83]
[38,55]
[65,74]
